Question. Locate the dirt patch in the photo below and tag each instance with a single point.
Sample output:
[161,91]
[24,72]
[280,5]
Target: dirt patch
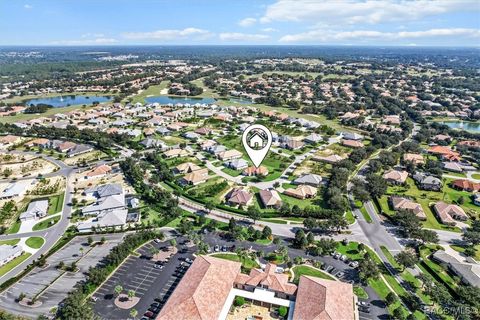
[28,168]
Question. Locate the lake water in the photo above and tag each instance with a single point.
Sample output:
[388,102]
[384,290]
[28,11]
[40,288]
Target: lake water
[174,100]
[464,125]
[64,101]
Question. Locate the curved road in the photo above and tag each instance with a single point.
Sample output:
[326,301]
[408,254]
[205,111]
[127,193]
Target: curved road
[52,234]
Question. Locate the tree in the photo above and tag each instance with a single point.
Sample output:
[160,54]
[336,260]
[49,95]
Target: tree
[21,296]
[102,240]
[266,232]
[209,206]
[89,240]
[398,313]
[75,307]
[377,186]
[118,289]
[300,240]
[133,313]
[310,238]
[254,214]
[131,294]
[391,298]
[282,311]
[368,269]
[406,258]
[239,301]
[61,265]
[173,242]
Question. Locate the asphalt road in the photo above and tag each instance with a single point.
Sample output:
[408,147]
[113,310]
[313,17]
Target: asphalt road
[52,234]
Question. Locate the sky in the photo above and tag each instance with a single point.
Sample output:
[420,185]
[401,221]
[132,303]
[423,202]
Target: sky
[240,22]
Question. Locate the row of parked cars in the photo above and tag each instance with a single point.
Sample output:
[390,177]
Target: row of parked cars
[344,258]
[158,303]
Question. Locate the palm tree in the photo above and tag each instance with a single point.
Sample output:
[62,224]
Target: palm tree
[118,289]
[131,294]
[133,313]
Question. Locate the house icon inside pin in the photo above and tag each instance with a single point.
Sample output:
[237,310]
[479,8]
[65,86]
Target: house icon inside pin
[256,141]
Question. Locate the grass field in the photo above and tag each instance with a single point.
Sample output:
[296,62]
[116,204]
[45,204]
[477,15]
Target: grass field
[365,214]
[150,91]
[46,223]
[247,263]
[55,203]
[14,228]
[309,271]
[35,242]
[10,242]
[12,264]
[360,292]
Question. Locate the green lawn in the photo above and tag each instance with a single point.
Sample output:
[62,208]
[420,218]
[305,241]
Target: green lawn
[309,271]
[247,263]
[10,242]
[437,270]
[14,228]
[35,242]
[349,217]
[12,264]
[232,172]
[365,214]
[350,250]
[150,91]
[360,292]
[46,223]
[476,176]
[264,242]
[55,203]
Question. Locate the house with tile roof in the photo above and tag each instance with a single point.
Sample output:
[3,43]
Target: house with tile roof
[302,192]
[466,185]
[400,203]
[395,176]
[448,213]
[239,197]
[270,198]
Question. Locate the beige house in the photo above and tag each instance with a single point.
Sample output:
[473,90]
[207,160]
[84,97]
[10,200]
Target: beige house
[302,192]
[448,213]
[399,203]
[395,176]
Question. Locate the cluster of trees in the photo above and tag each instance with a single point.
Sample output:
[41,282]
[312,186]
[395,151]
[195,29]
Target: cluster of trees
[411,227]
[38,108]
[472,237]
[75,306]
[237,232]
[156,198]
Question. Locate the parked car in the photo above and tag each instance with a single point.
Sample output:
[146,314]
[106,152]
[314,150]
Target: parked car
[354,264]
[157,240]
[159,267]
[148,314]
[188,260]
[216,248]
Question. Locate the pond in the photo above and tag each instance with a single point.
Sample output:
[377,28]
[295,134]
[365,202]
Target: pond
[174,100]
[463,125]
[71,100]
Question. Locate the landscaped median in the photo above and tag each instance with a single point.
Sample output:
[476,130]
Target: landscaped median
[303,270]
[46,223]
[35,242]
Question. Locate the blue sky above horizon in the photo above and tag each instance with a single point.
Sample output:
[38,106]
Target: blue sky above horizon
[184,22]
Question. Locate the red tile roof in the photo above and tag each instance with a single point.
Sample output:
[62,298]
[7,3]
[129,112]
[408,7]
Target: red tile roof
[320,299]
[203,290]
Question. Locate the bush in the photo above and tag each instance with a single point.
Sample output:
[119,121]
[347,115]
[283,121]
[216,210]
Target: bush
[282,311]
[239,301]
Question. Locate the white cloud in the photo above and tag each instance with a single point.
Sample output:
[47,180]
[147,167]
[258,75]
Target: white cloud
[93,35]
[237,36]
[84,42]
[168,34]
[329,36]
[269,30]
[28,6]
[369,11]
[247,22]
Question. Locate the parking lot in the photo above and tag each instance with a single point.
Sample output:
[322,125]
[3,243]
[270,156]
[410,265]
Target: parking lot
[51,285]
[138,273]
